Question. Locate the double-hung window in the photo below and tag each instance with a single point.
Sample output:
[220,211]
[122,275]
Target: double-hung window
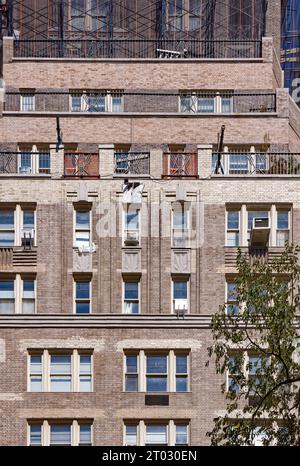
[28,228]
[233,228]
[180,296]
[7,228]
[181,373]
[131,297]
[156,373]
[17,295]
[132,226]
[59,432]
[283,227]
[82,296]
[28,296]
[7,296]
[36,373]
[82,228]
[131,373]
[180,225]
[156,432]
[27,102]
[85,373]
[60,373]
[232,307]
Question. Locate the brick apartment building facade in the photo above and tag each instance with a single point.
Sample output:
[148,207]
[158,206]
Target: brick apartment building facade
[117,238]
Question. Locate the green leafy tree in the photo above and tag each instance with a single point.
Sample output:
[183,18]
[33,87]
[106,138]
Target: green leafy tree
[256,346]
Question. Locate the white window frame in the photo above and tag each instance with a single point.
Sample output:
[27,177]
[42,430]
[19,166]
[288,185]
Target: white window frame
[75,299]
[46,369]
[129,280]
[187,291]
[194,97]
[18,280]
[278,210]
[75,229]
[232,230]
[74,424]
[188,228]
[171,368]
[107,95]
[170,428]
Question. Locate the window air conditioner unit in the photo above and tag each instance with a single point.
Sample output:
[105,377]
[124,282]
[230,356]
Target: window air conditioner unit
[27,238]
[260,232]
[25,170]
[131,237]
[180,306]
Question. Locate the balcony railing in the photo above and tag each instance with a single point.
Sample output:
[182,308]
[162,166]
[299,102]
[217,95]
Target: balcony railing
[180,164]
[81,164]
[140,48]
[118,102]
[235,163]
[25,163]
[132,163]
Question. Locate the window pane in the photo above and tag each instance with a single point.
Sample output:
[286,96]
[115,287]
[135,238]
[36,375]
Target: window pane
[179,219]
[131,383]
[60,383]
[7,306]
[82,238]
[28,288]
[36,383]
[181,435]
[181,384]
[282,220]
[233,239]
[85,383]
[60,364]
[82,290]
[85,364]
[76,103]
[131,308]
[7,239]
[156,435]
[36,364]
[85,432]
[238,163]
[82,308]
[132,220]
[181,364]
[233,220]
[180,290]
[44,162]
[7,288]
[28,219]
[28,306]
[156,364]
[36,435]
[131,290]
[116,104]
[156,384]
[206,105]
[131,435]
[7,220]
[60,434]
[131,364]
[226,104]
[83,220]
[231,292]
[95,103]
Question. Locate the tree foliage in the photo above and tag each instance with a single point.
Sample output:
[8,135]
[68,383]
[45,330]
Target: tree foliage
[256,346]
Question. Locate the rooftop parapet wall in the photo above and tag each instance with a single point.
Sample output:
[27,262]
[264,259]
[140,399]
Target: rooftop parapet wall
[140,73]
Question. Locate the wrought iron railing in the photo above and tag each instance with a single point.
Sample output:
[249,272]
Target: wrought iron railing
[199,103]
[137,48]
[248,163]
[132,163]
[25,163]
[180,164]
[81,164]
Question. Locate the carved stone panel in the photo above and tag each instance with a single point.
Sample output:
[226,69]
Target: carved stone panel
[181,261]
[131,261]
[82,262]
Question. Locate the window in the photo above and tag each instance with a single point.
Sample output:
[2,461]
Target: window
[36,373]
[17,287]
[170,433]
[156,434]
[36,435]
[249,366]
[206,103]
[233,375]
[283,228]
[181,434]
[232,307]
[131,435]
[28,298]
[7,228]
[240,223]
[82,297]
[256,368]
[131,298]
[180,225]
[60,372]
[89,15]
[131,373]
[59,432]
[233,228]
[44,162]
[181,375]
[131,226]
[83,228]
[238,163]
[175,15]
[28,228]
[156,372]
[89,101]
[180,296]
[27,102]
[85,434]
[7,296]
[85,373]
